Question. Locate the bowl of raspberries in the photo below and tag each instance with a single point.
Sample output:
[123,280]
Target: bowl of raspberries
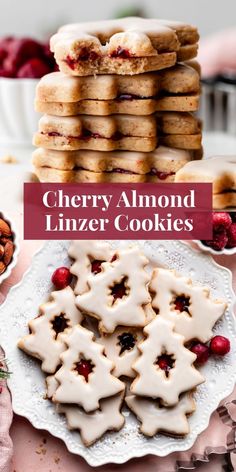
[23,61]
[224,234]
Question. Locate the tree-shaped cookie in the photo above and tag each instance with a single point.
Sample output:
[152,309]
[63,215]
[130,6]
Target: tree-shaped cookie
[85,376]
[93,425]
[88,256]
[165,368]
[188,306]
[155,418]
[121,348]
[45,341]
[118,294]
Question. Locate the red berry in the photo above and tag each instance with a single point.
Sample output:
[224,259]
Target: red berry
[61,278]
[33,69]
[233,216]
[21,50]
[219,241]
[220,345]
[231,236]
[202,352]
[221,220]
[84,368]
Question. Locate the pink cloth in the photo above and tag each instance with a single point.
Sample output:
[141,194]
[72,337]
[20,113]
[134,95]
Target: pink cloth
[6,449]
[42,452]
[217,53]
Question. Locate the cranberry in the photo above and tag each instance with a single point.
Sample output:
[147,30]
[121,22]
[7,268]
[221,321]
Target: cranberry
[84,368]
[96,266]
[182,303]
[220,345]
[202,352]
[231,236]
[221,220]
[61,277]
[126,341]
[119,290]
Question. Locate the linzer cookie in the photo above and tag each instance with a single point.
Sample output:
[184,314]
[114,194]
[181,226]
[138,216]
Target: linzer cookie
[118,295]
[190,307]
[162,160]
[220,171]
[174,89]
[156,418]
[165,368]
[85,375]
[126,46]
[45,341]
[87,259]
[93,426]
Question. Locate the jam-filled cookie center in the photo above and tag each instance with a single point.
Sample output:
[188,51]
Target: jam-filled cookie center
[181,303]
[84,367]
[166,362]
[96,266]
[59,324]
[126,342]
[120,290]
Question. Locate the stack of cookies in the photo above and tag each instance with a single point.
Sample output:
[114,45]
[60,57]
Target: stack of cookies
[121,108]
[122,334]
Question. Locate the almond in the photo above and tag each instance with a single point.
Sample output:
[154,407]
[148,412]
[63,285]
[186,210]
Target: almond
[2,250]
[8,252]
[4,240]
[2,267]
[5,229]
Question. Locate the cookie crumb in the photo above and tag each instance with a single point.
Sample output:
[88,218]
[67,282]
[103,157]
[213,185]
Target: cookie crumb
[57,460]
[9,159]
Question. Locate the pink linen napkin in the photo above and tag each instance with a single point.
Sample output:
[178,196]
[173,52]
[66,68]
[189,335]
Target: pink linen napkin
[6,447]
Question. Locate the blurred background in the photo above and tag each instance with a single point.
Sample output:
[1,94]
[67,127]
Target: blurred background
[27,17]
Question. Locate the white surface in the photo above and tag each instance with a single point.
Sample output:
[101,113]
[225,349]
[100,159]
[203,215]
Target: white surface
[22,303]
[18,120]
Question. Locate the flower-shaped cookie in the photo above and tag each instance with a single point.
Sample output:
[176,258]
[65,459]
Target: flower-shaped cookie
[155,418]
[88,256]
[45,341]
[93,425]
[118,294]
[188,306]
[165,368]
[121,348]
[85,376]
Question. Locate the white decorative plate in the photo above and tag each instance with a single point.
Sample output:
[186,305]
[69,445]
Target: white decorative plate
[27,380]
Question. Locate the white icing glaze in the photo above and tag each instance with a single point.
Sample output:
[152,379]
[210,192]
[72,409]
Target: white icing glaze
[42,343]
[156,419]
[73,387]
[83,252]
[123,361]
[51,385]
[203,311]
[151,380]
[126,311]
[93,425]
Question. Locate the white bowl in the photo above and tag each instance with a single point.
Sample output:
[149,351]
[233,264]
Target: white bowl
[13,262]
[18,120]
[227,252]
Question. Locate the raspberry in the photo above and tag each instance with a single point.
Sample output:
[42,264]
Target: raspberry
[33,69]
[219,241]
[220,345]
[231,236]
[202,352]
[221,220]
[61,277]
[20,51]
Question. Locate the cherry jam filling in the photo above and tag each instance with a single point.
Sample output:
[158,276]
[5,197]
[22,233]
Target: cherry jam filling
[119,290]
[84,55]
[59,324]
[96,266]
[166,362]
[122,171]
[181,303]
[87,134]
[122,53]
[128,96]
[160,175]
[84,368]
[126,342]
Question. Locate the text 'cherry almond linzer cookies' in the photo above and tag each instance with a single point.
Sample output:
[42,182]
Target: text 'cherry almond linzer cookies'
[139,108]
[90,349]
